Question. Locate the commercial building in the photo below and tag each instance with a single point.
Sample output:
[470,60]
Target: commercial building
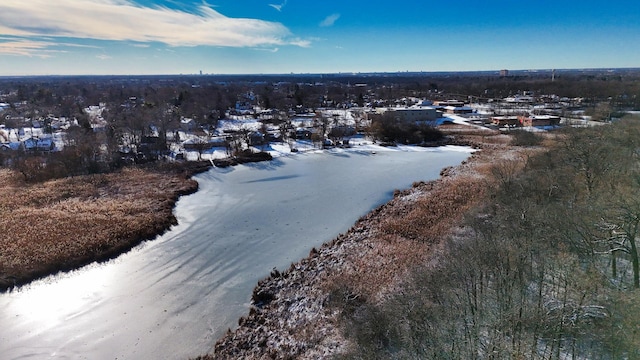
[411,114]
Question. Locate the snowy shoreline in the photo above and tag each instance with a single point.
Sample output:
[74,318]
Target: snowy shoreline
[292,315]
[207,265]
[76,246]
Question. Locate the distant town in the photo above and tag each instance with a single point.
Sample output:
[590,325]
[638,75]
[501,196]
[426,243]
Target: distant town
[510,228]
[104,122]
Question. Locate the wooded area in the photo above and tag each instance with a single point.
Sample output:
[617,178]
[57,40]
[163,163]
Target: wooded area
[547,268]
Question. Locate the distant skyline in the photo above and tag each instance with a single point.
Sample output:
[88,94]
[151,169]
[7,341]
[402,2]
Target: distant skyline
[146,37]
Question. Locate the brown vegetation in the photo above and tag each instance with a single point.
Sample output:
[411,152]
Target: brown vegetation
[548,269]
[66,223]
[299,313]
[521,252]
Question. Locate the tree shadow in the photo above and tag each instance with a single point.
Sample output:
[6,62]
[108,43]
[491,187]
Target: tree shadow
[266,165]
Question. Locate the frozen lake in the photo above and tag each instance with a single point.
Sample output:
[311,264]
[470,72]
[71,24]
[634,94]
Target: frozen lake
[174,296]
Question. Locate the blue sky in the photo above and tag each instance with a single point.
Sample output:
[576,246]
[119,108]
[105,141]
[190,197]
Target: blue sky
[65,37]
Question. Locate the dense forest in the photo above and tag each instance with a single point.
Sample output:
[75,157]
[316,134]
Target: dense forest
[548,268]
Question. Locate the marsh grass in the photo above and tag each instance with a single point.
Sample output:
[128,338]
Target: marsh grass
[62,224]
[345,279]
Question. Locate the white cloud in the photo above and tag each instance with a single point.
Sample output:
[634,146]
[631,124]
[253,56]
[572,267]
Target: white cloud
[20,47]
[36,47]
[279,6]
[122,20]
[103,57]
[330,20]
[274,50]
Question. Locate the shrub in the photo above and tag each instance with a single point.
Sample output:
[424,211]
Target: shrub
[525,138]
[246,156]
[392,131]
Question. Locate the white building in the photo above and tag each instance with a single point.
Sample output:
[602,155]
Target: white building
[411,114]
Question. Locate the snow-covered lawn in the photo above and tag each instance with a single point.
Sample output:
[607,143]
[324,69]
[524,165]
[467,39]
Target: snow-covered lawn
[357,143]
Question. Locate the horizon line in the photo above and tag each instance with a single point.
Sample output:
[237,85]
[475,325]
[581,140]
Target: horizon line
[330,73]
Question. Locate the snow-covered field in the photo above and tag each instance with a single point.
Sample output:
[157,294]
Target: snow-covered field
[278,149]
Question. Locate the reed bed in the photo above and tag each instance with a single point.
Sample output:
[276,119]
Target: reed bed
[66,223]
[300,313]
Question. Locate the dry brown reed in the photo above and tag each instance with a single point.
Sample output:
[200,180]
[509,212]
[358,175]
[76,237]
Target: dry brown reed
[367,264]
[66,223]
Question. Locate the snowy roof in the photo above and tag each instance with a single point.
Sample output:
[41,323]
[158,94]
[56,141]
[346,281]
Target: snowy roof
[458,108]
[35,143]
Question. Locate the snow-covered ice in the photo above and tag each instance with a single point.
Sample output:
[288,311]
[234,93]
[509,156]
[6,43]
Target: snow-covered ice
[174,296]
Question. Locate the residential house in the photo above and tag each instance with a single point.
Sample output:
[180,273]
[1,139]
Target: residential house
[187,124]
[458,109]
[36,144]
[501,121]
[539,120]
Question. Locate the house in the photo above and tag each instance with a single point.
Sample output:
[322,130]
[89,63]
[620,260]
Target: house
[458,109]
[501,121]
[445,103]
[520,99]
[187,124]
[243,107]
[46,144]
[256,138]
[196,144]
[35,144]
[30,132]
[539,120]
[477,118]
[96,121]
[303,133]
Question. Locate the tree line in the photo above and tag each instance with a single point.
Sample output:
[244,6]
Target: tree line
[549,269]
[138,107]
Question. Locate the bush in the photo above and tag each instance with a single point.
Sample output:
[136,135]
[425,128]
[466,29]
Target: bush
[389,130]
[247,156]
[531,273]
[525,138]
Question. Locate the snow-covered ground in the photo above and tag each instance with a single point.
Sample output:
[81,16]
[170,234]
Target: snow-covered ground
[278,149]
[358,144]
[14,138]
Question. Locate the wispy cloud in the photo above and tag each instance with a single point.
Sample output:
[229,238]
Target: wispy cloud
[42,47]
[274,50]
[279,6]
[23,47]
[330,20]
[123,20]
[104,57]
